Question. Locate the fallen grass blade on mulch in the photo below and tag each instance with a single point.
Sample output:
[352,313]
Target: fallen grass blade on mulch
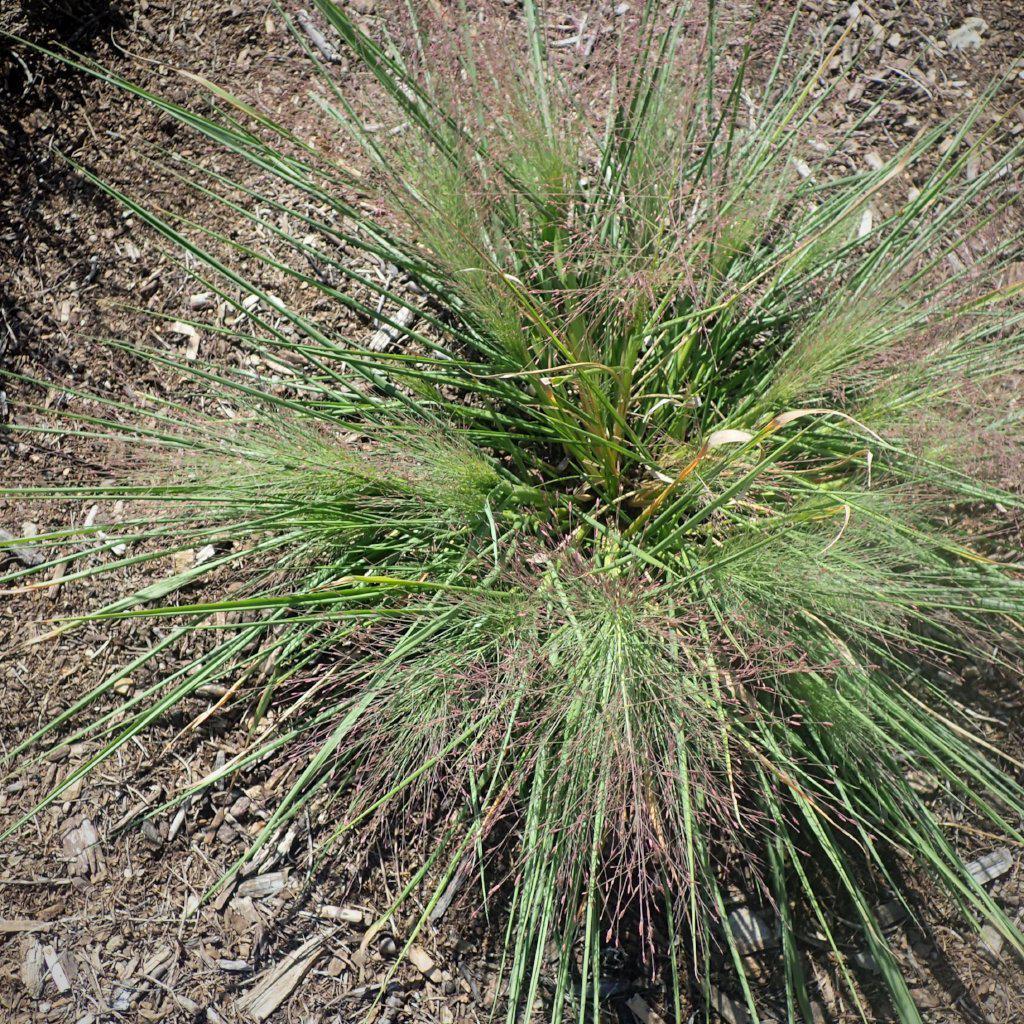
[630,566]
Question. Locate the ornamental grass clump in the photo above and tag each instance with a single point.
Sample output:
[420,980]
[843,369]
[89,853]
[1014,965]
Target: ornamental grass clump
[630,557]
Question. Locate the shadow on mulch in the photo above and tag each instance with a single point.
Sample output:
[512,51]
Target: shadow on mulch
[38,100]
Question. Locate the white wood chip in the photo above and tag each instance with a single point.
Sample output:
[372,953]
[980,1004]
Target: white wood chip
[25,554]
[82,851]
[992,866]
[22,925]
[33,973]
[423,962]
[275,985]
[990,942]
[317,38]
[346,915]
[61,968]
[387,334]
[156,965]
[204,554]
[263,885]
[751,931]
[188,331]
[968,35]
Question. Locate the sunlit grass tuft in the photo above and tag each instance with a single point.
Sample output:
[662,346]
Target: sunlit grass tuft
[634,567]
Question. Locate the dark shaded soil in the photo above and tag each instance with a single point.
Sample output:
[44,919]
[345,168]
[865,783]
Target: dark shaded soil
[115,916]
